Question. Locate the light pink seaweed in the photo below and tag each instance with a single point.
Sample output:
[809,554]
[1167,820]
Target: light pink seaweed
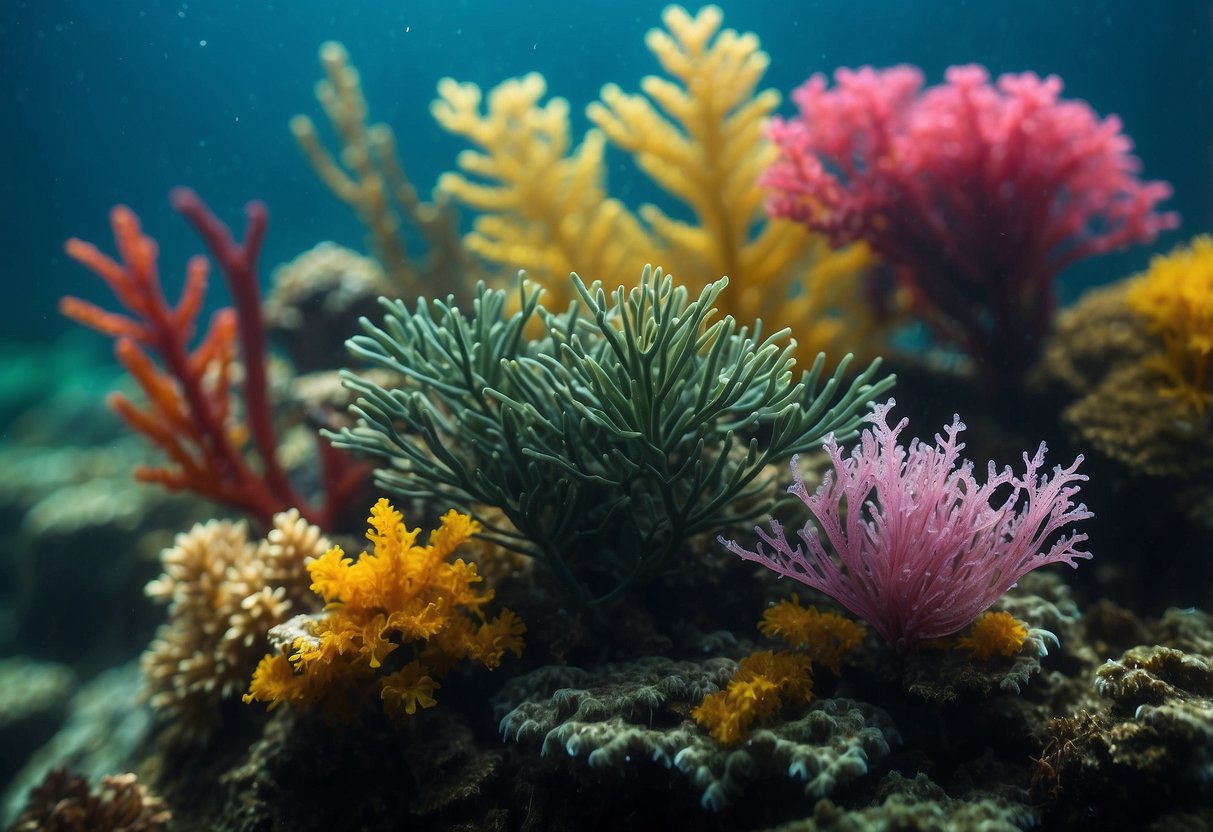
[908,540]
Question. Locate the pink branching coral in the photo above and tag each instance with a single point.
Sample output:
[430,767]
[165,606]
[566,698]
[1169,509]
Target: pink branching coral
[979,193]
[917,548]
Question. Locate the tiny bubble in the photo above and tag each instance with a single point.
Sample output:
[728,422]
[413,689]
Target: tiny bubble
[202,43]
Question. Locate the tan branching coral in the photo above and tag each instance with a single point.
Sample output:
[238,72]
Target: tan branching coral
[224,593]
[64,803]
[699,135]
[368,176]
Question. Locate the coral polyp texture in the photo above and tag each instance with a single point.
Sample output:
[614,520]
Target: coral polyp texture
[979,193]
[908,540]
[224,593]
[399,595]
[629,721]
[65,803]
[1127,399]
[635,422]
[1150,727]
[696,132]
[1176,297]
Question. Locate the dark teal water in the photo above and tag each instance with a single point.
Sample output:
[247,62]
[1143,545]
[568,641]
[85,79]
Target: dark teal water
[113,101]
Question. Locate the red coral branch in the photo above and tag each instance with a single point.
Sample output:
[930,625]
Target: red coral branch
[239,266]
[189,412]
[980,194]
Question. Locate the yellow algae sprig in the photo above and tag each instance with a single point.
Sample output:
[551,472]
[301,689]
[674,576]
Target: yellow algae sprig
[825,637]
[764,683]
[1176,296]
[770,681]
[994,634]
[699,134]
[400,595]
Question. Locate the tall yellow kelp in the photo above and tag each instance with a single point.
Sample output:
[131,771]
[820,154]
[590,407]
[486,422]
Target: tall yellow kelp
[700,135]
[541,206]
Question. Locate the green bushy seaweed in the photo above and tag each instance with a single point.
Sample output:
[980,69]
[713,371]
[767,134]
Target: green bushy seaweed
[629,425]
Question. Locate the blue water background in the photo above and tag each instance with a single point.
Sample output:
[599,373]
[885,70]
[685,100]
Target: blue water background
[117,101]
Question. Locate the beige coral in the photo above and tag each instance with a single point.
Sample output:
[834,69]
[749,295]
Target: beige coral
[66,803]
[224,593]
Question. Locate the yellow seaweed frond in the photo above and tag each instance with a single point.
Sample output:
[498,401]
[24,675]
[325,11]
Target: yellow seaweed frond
[1176,296]
[768,681]
[454,530]
[722,719]
[395,620]
[825,637]
[366,173]
[543,206]
[699,134]
[492,640]
[994,634]
[328,573]
[275,681]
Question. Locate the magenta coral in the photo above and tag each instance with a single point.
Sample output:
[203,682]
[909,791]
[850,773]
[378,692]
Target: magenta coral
[979,194]
[917,548]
